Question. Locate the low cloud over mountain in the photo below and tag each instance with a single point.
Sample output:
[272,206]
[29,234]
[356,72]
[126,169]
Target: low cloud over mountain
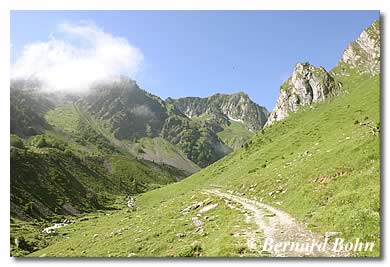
[76,56]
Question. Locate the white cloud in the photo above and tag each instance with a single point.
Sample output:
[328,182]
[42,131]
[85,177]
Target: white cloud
[82,55]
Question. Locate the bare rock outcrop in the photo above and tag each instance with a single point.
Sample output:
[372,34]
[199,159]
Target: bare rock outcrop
[364,53]
[223,107]
[307,85]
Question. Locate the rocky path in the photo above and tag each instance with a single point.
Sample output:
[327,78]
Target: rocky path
[279,228]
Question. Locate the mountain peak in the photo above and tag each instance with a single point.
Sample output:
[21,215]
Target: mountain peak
[307,84]
[235,107]
[241,93]
[364,53]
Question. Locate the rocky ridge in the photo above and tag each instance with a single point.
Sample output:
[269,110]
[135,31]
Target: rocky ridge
[224,107]
[309,84]
[306,85]
[364,53]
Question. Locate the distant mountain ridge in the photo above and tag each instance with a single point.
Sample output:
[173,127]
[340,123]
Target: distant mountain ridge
[131,114]
[120,114]
[236,107]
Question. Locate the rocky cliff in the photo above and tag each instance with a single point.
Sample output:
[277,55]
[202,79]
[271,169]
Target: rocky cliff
[234,107]
[309,84]
[364,53]
[306,85]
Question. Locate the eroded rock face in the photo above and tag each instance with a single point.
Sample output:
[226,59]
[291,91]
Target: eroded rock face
[364,53]
[306,85]
[235,107]
[309,84]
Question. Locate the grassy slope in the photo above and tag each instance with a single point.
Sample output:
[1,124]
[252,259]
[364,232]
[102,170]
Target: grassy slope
[235,134]
[69,170]
[49,178]
[321,165]
[69,116]
[64,117]
[44,180]
[26,110]
[160,151]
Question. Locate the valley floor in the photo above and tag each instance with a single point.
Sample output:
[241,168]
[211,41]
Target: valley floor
[243,225]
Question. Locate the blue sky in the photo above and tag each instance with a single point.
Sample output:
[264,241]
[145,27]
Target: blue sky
[199,53]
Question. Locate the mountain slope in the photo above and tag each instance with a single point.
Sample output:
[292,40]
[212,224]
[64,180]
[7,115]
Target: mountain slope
[72,118]
[47,179]
[27,109]
[235,107]
[233,117]
[309,84]
[198,142]
[161,151]
[363,55]
[129,114]
[71,166]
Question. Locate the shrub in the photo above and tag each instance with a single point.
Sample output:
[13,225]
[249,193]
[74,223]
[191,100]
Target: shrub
[16,141]
[41,142]
[28,208]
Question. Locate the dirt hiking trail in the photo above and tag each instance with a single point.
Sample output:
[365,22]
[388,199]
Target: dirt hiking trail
[279,227]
